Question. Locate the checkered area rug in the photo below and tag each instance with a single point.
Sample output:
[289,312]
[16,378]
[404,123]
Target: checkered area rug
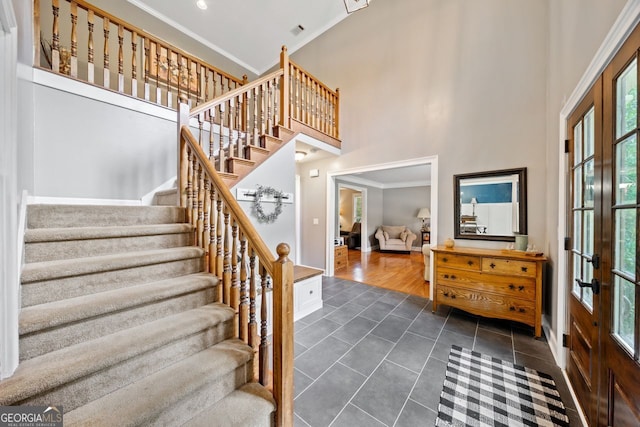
[484,391]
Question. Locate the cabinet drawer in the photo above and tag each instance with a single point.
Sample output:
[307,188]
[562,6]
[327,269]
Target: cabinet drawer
[458,261]
[341,251]
[513,286]
[509,266]
[307,293]
[487,304]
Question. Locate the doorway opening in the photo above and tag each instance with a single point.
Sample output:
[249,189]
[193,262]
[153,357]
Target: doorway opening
[372,215]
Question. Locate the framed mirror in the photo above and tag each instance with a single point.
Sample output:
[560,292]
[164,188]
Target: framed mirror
[490,205]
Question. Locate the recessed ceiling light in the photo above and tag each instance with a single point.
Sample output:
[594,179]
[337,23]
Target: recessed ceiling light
[202,4]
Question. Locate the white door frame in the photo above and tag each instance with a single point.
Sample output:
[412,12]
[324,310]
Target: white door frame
[9,258]
[331,201]
[627,20]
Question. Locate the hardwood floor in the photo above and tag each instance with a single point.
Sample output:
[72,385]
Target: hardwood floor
[398,272]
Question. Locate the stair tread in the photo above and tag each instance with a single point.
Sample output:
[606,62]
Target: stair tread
[57,313]
[50,370]
[46,270]
[245,407]
[78,233]
[140,402]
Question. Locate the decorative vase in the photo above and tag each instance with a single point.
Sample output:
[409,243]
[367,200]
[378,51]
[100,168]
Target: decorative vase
[449,243]
[521,242]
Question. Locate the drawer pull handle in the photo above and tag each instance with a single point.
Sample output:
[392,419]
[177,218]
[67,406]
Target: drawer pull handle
[446,294]
[444,259]
[492,265]
[310,292]
[453,296]
[470,263]
[453,276]
[521,288]
[512,286]
[524,269]
[522,310]
[446,276]
[512,308]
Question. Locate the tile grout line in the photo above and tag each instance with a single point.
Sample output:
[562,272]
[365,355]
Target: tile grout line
[423,366]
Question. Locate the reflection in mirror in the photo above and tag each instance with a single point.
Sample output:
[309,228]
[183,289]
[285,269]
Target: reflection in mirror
[491,205]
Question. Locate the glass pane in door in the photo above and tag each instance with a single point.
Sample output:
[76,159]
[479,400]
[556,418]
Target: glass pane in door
[627,100]
[626,185]
[624,315]
[624,256]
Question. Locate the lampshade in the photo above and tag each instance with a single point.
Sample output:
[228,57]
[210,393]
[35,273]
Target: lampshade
[474,201]
[424,213]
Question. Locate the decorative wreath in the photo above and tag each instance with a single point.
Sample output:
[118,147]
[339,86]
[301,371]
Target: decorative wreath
[257,204]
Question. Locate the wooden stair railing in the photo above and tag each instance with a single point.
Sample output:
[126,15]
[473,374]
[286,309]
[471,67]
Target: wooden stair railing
[120,56]
[133,62]
[238,256]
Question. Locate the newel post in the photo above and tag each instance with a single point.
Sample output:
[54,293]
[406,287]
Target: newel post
[283,336]
[183,161]
[284,88]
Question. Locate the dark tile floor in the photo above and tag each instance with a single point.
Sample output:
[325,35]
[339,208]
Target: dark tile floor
[373,357]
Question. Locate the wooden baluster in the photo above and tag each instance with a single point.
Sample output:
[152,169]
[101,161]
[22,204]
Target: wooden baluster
[269,111]
[120,58]
[200,224]
[134,64]
[189,191]
[180,70]
[283,336]
[303,98]
[256,136]
[232,132]
[336,116]
[55,37]
[158,89]
[206,85]
[170,66]
[226,268]
[298,104]
[145,66]
[239,109]
[219,254]
[322,115]
[90,64]
[276,97]
[200,129]
[74,39]
[307,91]
[235,279]
[194,192]
[317,98]
[36,33]
[253,325]
[263,108]
[206,243]
[283,118]
[212,231]
[105,66]
[243,314]
[263,355]
[199,81]
[212,145]
[222,153]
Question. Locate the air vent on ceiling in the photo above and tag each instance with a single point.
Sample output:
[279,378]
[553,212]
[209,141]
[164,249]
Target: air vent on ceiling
[297,30]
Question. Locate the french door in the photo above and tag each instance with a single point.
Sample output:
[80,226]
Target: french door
[603,359]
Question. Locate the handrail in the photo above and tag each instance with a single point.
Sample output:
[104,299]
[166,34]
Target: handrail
[234,93]
[231,203]
[130,60]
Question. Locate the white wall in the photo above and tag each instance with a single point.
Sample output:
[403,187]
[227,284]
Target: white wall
[478,83]
[278,172]
[401,205]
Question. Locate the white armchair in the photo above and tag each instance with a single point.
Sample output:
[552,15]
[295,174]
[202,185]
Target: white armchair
[396,238]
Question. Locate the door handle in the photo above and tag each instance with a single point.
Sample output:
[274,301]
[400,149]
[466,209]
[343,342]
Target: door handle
[594,285]
[595,261]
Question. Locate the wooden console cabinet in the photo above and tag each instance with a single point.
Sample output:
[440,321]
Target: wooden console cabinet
[340,257]
[492,283]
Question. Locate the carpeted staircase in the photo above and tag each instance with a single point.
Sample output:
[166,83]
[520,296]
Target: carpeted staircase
[120,326]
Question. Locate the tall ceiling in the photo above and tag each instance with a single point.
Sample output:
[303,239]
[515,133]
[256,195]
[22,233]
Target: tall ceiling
[249,32]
